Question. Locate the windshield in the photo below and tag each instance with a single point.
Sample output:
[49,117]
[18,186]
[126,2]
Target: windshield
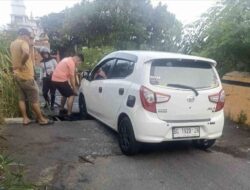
[195,74]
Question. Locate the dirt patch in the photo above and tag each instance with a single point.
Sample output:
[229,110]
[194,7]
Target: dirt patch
[235,140]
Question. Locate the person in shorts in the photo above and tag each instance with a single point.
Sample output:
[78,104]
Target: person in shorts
[64,80]
[23,69]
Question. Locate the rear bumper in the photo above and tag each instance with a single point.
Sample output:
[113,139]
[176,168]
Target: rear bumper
[148,128]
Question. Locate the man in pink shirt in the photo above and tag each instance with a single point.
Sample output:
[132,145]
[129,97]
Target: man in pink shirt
[64,80]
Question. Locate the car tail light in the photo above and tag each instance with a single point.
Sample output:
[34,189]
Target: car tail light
[149,99]
[161,98]
[219,99]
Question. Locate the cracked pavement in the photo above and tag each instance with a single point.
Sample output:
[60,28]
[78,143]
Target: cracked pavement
[84,155]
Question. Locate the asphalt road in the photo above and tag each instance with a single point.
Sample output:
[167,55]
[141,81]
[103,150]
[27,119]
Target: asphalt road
[84,155]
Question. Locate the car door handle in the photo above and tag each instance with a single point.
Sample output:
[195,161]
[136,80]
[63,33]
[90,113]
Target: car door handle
[121,91]
[100,89]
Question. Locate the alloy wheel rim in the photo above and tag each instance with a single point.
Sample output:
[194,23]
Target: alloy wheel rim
[205,142]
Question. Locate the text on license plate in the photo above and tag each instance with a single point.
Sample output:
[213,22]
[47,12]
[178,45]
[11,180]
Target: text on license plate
[185,132]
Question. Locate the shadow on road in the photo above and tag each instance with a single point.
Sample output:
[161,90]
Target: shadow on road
[153,148]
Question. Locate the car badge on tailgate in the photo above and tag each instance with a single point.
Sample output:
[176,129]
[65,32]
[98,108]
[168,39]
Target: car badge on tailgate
[190,99]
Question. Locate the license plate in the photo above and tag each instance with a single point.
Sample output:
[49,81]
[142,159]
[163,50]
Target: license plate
[185,132]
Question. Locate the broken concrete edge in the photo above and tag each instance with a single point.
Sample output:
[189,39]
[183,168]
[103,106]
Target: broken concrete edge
[15,120]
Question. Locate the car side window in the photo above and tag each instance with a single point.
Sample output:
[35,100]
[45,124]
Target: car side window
[103,71]
[122,69]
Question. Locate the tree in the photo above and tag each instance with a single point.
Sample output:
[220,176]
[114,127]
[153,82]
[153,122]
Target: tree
[222,34]
[122,24]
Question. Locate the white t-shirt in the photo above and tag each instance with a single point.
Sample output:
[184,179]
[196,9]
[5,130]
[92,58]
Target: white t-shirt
[48,70]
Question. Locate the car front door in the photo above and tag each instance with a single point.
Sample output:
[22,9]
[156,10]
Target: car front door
[96,88]
[115,90]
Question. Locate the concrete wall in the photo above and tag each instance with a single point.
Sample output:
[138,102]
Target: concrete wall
[237,95]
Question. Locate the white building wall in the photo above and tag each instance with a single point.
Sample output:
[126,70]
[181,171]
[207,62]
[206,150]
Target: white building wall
[17,7]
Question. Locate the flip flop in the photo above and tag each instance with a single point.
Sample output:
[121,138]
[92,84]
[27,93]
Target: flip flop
[31,121]
[49,122]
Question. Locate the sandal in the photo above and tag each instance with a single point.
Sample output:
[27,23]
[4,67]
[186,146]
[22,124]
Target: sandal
[49,122]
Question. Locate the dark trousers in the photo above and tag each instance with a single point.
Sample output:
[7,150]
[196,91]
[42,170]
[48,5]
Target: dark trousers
[49,87]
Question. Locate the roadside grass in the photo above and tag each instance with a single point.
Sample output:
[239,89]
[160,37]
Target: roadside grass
[8,95]
[1,118]
[12,175]
[242,118]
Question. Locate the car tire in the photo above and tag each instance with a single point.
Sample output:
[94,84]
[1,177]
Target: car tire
[203,144]
[127,142]
[82,107]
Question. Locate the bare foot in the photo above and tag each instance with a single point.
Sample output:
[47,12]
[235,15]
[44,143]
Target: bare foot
[26,121]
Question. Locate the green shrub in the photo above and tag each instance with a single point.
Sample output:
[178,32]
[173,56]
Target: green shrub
[242,117]
[93,56]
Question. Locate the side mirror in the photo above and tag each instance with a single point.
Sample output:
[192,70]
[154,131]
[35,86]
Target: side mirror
[85,75]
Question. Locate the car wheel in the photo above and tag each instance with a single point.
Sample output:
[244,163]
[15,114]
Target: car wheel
[82,107]
[127,141]
[203,144]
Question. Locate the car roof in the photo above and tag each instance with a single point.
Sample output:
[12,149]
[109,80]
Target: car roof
[152,55]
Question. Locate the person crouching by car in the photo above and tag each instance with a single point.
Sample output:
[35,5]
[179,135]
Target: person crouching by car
[48,65]
[64,80]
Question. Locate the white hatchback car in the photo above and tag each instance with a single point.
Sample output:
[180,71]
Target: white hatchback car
[154,97]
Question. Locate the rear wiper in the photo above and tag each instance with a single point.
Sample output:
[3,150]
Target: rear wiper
[185,87]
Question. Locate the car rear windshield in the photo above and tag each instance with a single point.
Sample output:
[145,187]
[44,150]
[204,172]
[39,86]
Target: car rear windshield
[195,74]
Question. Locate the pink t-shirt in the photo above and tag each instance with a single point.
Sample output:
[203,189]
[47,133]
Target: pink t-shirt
[64,70]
